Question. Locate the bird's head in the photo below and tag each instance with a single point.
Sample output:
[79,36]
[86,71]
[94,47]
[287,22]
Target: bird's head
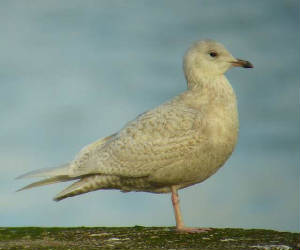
[208,58]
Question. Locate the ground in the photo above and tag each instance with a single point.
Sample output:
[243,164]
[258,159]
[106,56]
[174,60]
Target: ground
[154,238]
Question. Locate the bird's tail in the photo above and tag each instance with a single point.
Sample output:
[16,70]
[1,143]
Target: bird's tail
[62,170]
[54,175]
[60,174]
[88,184]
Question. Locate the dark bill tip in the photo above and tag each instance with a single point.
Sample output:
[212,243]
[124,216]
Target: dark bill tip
[242,63]
[248,64]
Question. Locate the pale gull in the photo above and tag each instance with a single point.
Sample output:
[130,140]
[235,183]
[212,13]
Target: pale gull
[175,145]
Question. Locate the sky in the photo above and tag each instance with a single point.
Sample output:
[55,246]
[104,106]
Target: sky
[72,72]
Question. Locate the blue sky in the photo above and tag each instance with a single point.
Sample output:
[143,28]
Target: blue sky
[75,71]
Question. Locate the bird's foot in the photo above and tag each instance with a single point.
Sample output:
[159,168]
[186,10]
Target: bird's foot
[192,229]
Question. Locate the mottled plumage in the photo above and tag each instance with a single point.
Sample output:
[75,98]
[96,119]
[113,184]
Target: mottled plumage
[180,143]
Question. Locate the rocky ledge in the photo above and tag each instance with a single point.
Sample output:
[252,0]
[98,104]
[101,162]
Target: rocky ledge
[154,238]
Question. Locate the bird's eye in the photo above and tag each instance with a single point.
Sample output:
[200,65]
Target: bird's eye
[213,54]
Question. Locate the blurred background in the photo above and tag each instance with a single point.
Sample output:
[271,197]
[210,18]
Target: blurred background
[74,71]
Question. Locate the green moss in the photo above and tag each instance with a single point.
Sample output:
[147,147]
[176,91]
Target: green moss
[138,237]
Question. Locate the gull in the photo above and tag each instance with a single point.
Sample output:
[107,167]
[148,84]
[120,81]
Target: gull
[180,143]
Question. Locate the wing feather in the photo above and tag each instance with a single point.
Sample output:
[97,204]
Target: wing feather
[157,138]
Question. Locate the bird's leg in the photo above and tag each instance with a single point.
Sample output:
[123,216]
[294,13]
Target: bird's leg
[176,207]
[179,221]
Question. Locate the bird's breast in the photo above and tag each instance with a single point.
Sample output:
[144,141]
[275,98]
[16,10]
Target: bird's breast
[222,125]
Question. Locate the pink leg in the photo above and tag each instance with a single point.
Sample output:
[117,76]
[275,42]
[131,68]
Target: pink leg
[179,221]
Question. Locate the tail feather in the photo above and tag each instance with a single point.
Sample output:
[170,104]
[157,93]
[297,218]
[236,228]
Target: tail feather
[62,170]
[56,174]
[47,181]
[88,184]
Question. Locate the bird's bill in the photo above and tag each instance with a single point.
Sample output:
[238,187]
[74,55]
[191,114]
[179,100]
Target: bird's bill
[242,63]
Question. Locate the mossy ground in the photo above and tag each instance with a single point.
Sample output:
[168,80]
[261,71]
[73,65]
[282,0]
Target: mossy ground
[88,238]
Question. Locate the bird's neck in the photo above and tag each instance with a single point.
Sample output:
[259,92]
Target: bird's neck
[200,81]
[215,89]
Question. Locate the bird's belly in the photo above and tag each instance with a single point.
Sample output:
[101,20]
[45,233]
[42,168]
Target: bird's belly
[204,159]
[193,169]
[223,134]
[210,161]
